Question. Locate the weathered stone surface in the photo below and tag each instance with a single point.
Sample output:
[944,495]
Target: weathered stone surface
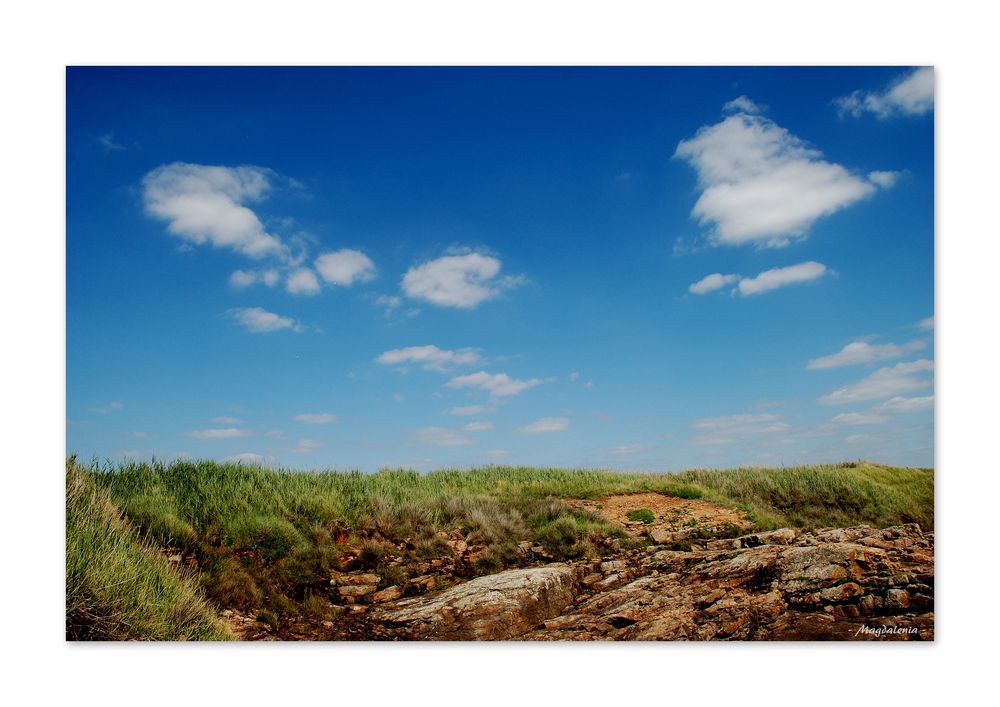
[387,594]
[495,607]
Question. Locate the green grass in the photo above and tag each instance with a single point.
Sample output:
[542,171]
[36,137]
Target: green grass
[642,514]
[268,539]
[118,587]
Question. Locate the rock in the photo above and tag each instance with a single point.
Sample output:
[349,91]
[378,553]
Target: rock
[661,536]
[175,558]
[897,599]
[612,566]
[495,607]
[354,579]
[356,590]
[388,594]
[457,546]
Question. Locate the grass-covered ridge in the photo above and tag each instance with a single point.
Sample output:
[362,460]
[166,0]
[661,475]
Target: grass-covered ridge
[118,587]
[268,540]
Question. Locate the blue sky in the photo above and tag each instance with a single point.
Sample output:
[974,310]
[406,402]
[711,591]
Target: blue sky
[610,267]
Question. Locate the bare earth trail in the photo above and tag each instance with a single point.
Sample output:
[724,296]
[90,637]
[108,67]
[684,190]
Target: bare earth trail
[857,583]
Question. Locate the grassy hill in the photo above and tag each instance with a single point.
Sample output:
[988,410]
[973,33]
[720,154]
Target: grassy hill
[269,538]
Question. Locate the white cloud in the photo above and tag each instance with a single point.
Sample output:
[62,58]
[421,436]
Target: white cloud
[345,267]
[260,321]
[883,178]
[926,324]
[466,410]
[780,277]
[498,453]
[302,282]
[205,204]
[222,420]
[574,376]
[431,357]
[457,280]
[763,185]
[242,278]
[220,433]
[270,277]
[545,425]
[110,407]
[859,418]
[862,352]
[250,458]
[730,429]
[307,445]
[715,281]
[499,385]
[893,380]
[910,94]
[742,104]
[903,406]
[478,427]
[440,437]
[316,418]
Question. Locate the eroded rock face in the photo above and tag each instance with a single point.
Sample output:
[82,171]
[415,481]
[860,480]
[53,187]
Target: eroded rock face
[832,584]
[495,607]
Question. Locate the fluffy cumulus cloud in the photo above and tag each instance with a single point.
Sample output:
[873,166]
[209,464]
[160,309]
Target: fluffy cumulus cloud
[885,382]
[863,352]
[207,204]
[926,324]
[302,282]
[241,279]
[763,185]
[498,385]
[909,95]
[440,437]
[781,277]
[316,418]
[732,429]
[545,425]
[431,357]
[462,281]
[219,433]
[345,267]
[883,178]
[259,321]
[710,283]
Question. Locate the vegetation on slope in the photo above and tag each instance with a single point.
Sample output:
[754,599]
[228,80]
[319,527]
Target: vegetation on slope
[267,539]
[118,587]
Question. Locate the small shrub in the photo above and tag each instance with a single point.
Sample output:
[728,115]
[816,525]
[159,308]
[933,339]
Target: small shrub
[371,554]
[643,514]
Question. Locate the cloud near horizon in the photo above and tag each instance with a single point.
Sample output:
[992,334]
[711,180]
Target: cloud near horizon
[545,425]
[762,185]
[440,437]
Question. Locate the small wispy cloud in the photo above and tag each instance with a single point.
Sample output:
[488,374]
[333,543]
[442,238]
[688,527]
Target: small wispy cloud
[108,142]
[545,425]
[781,277]
[431,357]
[250,459]
[440,437]
[467,410]
[858,352]
[307,445]
[498,385]
[710,283]
[731,429]
[316,418]
[257,320]
[219,433]
[478,427]
[110,407]
[885,382]
[223,420]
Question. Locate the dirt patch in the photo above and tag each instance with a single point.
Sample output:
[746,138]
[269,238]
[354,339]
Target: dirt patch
[681,516]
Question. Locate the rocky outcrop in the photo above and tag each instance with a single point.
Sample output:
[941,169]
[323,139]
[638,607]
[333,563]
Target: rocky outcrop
[495,607]
[840,583]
